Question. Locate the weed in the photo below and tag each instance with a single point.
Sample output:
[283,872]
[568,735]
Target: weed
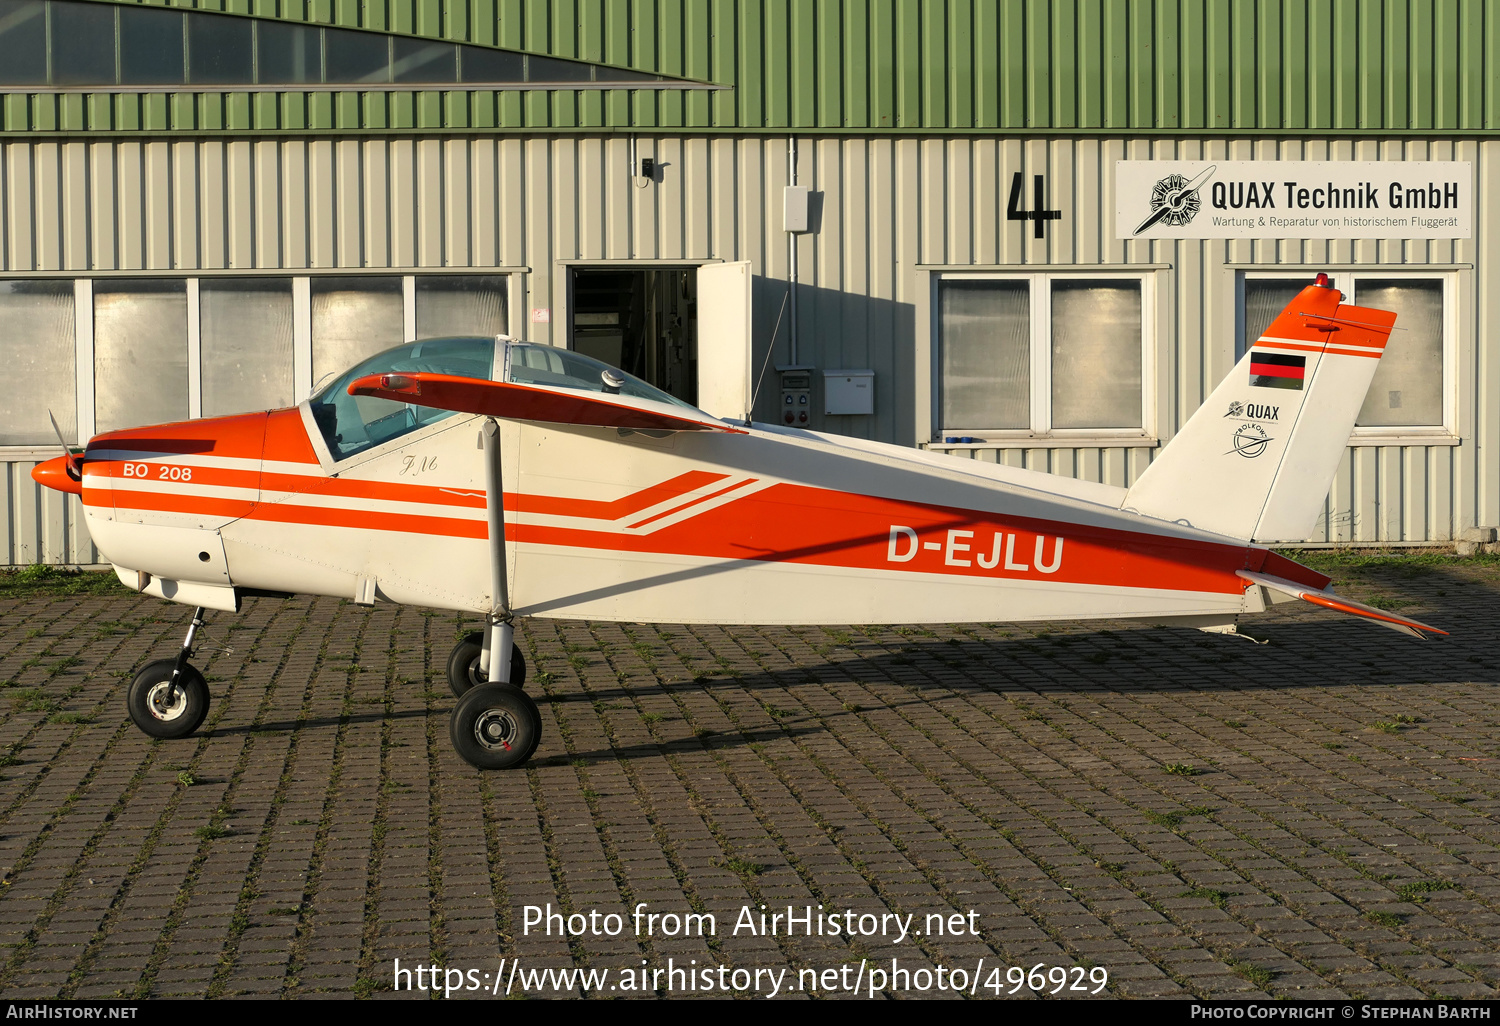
[1170,820]
[35,700]
[71,717]
[852,707]
[744,867]
[1198,810]
[186,778]
[44,579]
[211,832]
[1386,727]
[1404,718]
[1181,769]
[1255,974]
[652,717]
[1417,891]
[1234,723]
[1332,746]
[1389,920]
[1215,897]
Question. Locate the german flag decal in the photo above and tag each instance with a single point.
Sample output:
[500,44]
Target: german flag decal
[1275,370]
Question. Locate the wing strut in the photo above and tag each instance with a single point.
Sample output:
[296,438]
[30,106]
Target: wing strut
[501,632]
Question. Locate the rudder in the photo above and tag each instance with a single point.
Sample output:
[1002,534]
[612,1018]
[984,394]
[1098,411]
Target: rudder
[1256,459]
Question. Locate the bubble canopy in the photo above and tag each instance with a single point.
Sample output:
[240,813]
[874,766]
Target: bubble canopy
[352,424]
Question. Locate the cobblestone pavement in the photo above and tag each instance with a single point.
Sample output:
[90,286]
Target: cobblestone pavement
[1199,815]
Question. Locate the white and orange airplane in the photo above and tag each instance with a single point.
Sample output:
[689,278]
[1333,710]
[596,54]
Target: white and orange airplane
[622,503]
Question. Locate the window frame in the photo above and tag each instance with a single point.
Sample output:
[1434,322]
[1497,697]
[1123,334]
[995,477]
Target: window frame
[303,385]
[1346,280]
[1041,433]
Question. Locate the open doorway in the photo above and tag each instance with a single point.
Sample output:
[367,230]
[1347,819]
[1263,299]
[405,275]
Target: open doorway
[643,320]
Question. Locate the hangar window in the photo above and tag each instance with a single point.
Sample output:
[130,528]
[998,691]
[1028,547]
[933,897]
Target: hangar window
[246,338]
[140,352]
[1410,393]
[110,352]
[62,45]
[352,318]
[1041,355]
[37,347]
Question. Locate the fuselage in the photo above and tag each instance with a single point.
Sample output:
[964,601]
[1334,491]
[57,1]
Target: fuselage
[769,525]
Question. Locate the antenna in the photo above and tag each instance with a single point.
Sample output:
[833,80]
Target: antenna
[770,348]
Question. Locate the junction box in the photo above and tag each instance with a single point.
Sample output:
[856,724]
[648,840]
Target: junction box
[796,394]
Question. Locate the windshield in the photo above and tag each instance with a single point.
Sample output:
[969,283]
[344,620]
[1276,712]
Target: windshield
[562,368]
[351,424]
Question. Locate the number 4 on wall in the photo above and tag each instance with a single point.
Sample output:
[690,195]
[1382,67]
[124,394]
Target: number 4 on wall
[1039,216]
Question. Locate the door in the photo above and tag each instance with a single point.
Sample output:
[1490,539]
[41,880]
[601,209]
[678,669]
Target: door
[724,371]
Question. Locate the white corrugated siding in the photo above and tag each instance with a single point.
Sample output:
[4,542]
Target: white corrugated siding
[886,208]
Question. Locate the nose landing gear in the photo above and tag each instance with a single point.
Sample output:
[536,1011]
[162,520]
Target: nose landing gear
[169,698]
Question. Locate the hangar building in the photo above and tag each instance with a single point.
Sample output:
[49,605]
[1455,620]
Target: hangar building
[1035,233]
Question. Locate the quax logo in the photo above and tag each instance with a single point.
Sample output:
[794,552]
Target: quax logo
[1174,199]
[1254,411]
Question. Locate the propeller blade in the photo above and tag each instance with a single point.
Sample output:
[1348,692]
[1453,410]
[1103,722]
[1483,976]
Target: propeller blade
[74,470]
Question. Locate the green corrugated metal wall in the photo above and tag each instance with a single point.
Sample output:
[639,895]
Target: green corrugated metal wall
[893,66]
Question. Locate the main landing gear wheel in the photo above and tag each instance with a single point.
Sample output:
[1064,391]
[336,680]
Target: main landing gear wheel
[463,664]
[495,726]
[149,708]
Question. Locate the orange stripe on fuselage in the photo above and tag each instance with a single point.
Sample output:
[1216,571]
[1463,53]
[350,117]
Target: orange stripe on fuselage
[290,513]
[405,523]
[613,509]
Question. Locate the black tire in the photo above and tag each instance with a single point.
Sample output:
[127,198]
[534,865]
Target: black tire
[143,700]
[495,726]
[463,665]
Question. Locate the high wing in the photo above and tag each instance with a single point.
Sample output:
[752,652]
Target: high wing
[511,401]
[1328,600]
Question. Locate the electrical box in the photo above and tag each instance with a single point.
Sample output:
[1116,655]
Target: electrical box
[848,392]
[794,209]
[796,395]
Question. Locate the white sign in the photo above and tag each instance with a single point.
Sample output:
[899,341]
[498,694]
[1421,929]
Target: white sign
[1293,199]
[541,315]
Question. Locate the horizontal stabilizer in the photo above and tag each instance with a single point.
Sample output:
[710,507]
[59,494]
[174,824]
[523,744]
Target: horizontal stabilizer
[1329,600]
[526,402]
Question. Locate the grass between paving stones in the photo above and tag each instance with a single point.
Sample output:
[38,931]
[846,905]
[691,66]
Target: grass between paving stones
[643,795]
[1023,901]
[747,871]
[1399,974]
[894,837]
[1357,743]
[45,579]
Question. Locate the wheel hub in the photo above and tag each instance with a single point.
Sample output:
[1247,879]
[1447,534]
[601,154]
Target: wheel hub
[156,701]
[476,675]
[496,729]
